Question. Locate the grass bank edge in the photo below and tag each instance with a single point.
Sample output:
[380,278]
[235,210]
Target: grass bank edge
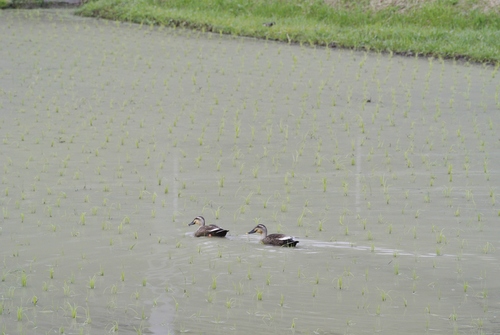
[481,44]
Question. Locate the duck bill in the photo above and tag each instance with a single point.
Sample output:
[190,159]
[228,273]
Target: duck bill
[190,224]
[251,231]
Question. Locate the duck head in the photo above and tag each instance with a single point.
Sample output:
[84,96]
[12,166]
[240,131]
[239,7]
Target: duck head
[199,220]
[260,229]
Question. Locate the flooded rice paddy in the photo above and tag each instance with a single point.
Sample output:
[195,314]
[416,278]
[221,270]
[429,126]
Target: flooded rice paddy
[115,136]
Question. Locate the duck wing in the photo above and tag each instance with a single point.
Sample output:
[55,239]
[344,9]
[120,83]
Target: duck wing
[213,230]
[281,240]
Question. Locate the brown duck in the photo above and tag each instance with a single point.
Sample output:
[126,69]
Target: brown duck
[210,230]
[281,240]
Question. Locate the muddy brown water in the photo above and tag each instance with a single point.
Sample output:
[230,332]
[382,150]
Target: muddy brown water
[115,136]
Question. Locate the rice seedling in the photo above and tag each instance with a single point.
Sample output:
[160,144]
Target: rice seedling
[259,293]
[468,195]
[440,238]
[92,282]
[255,171]
[483,294]
[73,310]
[447,191]
[229,303]
[383,295]
[340,283]
[396,269]
[247,198]
[488,248]
[478,323]
[122,276]
[34,301]
[24,279]
[20,313]
[82,218]
[214,282]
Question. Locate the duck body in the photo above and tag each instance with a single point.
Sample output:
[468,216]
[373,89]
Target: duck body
[210,230]
[281,240]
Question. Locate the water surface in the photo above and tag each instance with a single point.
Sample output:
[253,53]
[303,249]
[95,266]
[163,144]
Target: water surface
[115,136]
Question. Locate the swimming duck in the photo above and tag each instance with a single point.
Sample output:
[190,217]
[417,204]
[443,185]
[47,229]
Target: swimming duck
[210,230]
[281,240]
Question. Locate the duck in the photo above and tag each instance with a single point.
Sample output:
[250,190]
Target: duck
[210,230]
[281,240]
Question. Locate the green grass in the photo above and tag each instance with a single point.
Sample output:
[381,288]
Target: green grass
[442,28]
[5,3]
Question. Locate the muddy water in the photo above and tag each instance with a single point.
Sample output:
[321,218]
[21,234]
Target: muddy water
[115,136]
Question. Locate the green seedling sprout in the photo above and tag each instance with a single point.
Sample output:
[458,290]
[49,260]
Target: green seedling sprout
[214,282]
[5,212]
[488,248]
[92,282]
[217,212]
[345,187]
[284,207]
[369,236]
[114,289]
[440,238]
[20,313]
[340,282]
[259,293]
[438,251]
[484,293]
[221,181]
[468,195]
[248,197]
[255,171]
[24,279]
[73,309]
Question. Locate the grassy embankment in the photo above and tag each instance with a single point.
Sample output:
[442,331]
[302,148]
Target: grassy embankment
[443,28]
